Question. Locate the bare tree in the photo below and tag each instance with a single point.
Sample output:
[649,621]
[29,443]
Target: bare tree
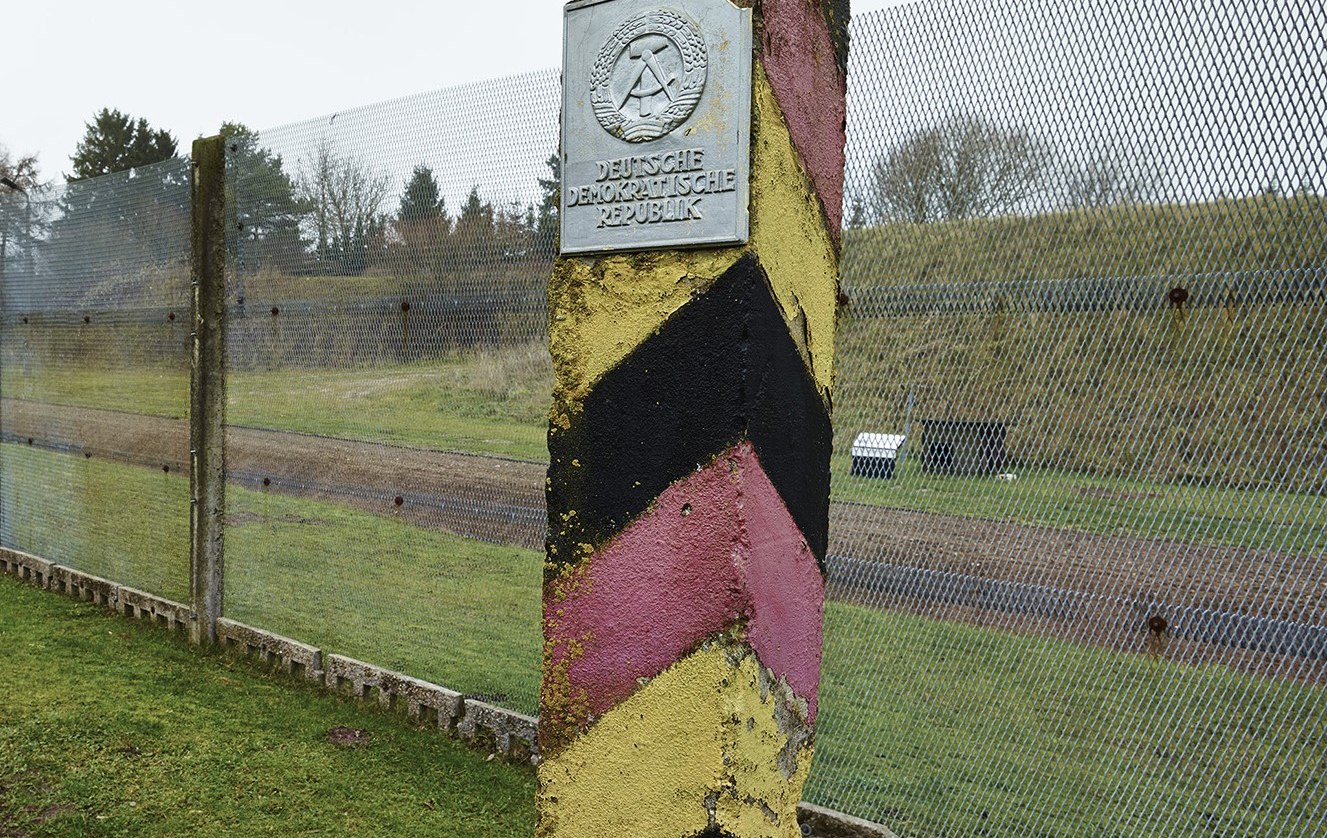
[345,198]
[19,223]
[22,171]
[967,167]
[1103,182]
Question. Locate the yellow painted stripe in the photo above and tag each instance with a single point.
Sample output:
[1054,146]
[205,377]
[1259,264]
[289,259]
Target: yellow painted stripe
[790,236]
[702,733]
[603,309]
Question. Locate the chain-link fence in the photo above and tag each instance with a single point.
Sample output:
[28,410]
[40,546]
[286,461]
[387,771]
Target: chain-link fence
[1077,574]
[1078,525]
[94,375]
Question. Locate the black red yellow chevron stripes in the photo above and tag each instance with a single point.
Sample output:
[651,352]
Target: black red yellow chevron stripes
[688,489]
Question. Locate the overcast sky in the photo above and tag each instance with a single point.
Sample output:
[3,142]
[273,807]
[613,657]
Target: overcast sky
[188,67]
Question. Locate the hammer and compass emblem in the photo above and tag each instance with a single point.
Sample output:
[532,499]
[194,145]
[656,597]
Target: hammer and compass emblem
[650,76]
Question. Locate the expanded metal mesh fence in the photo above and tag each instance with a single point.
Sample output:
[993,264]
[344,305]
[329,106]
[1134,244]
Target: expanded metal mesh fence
[94,376]
[1078,582]
[389,382]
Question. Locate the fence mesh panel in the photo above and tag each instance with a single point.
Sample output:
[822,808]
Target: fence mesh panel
[94,374]
[1077,574]
[389,382]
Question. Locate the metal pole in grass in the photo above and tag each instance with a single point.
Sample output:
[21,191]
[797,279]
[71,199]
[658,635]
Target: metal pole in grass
[693,311]
[207,391]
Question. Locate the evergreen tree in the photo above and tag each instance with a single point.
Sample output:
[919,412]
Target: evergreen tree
[475,240]
[260,195]
[128,195]
[422,198]
[115,142]
[546,228]
[422,241]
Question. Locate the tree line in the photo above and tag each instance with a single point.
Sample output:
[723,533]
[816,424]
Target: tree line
[126,200]
[329,212]
[968,166]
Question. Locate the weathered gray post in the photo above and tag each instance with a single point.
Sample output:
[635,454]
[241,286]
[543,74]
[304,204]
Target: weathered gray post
[207,392]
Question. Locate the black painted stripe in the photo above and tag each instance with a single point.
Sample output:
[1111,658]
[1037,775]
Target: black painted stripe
[721,370]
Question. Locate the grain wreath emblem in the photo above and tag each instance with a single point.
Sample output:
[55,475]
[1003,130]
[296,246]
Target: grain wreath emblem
[649,76]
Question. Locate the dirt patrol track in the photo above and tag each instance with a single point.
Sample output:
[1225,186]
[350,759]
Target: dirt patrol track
[1251,608]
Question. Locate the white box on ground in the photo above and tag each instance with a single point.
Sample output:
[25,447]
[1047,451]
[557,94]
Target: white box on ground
[876,455]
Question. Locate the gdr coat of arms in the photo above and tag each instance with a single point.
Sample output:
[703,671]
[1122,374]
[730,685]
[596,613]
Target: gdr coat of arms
[649,76]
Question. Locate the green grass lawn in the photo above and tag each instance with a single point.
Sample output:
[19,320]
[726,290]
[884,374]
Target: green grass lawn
[113,728]
[119,522]
[1284,522]
[925,724]
[484,403]
[447,609]
[936,728]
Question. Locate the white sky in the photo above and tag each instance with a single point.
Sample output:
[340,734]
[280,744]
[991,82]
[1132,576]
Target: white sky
[188,67]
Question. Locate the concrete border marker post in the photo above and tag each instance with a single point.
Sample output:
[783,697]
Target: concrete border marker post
[689,438]
[207,389]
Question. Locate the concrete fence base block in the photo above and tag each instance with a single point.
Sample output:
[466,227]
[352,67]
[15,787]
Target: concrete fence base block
[293,657]
[26,567]
[84,586]
[506,732]
[160,611]
[818,822]
[423,700]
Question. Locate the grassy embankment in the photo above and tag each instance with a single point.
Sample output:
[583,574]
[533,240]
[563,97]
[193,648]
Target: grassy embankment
[1227,395]
[1204,428]
[1072,736]
[113,728]
[918,716]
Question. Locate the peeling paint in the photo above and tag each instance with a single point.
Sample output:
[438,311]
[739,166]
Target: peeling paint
[723,370]
[678,757]
[806,57]
[688,487]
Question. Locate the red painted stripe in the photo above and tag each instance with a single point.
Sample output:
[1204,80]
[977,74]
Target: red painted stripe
[800,60]
[717,548]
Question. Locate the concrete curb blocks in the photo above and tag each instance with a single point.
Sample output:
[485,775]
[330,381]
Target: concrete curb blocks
[423,700]
[294,657]
[26,567]
[135,603]
[818,822]
[83,586]
[513,735]
[501,731]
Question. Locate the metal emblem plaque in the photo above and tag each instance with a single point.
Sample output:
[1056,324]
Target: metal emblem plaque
[656,117]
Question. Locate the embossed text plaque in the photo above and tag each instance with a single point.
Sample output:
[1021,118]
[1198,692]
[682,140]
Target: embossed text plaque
[656,124]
